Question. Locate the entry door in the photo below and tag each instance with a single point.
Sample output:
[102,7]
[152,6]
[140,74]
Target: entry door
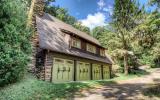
[62,70]
[83,71]
[96,72]
[106,73]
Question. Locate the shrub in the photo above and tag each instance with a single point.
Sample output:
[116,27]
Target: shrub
[14,40]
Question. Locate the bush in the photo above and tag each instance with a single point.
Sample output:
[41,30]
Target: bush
[14,40]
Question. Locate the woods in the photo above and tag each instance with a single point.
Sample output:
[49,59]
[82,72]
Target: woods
[134,37]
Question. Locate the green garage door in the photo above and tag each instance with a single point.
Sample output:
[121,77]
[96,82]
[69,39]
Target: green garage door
[106,73]
[62,70]
[83,71]
[96,72]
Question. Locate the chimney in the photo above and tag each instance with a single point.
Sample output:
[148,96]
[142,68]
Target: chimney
[36,9]
[39,7]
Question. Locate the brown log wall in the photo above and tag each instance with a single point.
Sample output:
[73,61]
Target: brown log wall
[48,66]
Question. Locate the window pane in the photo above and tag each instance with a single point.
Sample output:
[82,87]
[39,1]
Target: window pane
[102,52]
[91,48]
[76,42]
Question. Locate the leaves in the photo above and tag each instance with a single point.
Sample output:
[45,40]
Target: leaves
[63,15]
[14,45]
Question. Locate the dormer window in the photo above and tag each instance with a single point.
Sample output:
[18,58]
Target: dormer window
[102,52]
[76,43]
[91,48]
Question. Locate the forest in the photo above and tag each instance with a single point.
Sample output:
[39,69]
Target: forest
[132,39]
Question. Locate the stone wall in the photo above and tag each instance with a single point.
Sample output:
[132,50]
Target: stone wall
[37,8]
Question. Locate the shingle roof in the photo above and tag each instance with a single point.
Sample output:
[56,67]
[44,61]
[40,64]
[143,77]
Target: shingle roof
[51,37]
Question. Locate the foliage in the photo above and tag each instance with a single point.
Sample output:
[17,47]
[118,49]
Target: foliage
[63,15]
[14,45]
[133,33]
[126,12]
[154,2]
[79,26]
[147,37]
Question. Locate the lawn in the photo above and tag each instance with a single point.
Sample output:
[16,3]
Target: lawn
[31,88]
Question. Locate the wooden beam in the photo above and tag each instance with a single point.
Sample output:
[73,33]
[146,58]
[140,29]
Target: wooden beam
[91,76]
[110,71]
[52,69]
[102,71]
[75,70]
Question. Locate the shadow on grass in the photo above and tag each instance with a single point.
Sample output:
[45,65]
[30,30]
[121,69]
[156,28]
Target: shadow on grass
[152,90]
[140,72]
[65,90]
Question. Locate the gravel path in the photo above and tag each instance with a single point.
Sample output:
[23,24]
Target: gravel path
[123,90]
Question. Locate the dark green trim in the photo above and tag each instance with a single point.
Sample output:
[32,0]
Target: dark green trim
[75,70]
[102,72]
[91,77]
[51,79]
[110,71]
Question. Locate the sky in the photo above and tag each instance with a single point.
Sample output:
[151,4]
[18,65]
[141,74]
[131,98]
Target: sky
[92,13]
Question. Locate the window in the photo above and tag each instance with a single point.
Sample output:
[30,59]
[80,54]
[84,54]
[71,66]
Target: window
[102,52]
[91,48]
[76,42]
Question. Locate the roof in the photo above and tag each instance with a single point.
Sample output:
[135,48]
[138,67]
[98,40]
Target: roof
[51,38]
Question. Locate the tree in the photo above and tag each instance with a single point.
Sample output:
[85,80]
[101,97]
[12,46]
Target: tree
[63,15]
[15,46]
[98,31]
[124,20]
[78,25]
[153,2]
[147,36]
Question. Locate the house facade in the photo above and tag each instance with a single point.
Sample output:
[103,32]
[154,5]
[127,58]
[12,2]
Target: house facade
[65,54]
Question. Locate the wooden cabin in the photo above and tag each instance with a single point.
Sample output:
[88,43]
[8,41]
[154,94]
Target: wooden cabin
[65,54]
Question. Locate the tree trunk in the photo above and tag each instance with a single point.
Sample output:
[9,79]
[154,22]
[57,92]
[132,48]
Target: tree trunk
[30,13]
[126,68]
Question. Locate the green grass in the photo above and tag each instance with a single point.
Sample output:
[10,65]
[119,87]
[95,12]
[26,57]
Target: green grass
[31,88]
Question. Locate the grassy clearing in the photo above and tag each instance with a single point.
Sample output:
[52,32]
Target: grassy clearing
[32,89]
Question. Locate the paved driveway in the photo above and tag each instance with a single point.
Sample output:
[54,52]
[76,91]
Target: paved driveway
[123,90]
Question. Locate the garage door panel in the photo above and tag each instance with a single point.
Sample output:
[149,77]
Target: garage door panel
[83,71]
[62,70]
[106,73]
[96,72]
[69,70]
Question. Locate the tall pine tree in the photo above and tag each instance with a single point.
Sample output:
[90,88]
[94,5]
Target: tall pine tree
[124,20]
